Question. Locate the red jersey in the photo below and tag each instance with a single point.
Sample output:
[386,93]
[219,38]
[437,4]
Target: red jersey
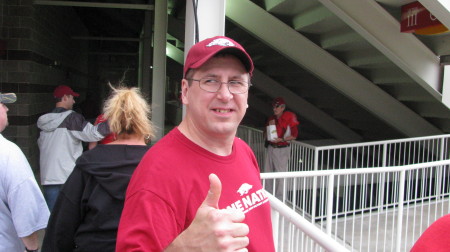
[171,183]
[287,119]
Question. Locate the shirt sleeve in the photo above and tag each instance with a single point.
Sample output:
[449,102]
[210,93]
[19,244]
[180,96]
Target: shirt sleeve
[288,119]
[294,131]
[84,130]
[147,224]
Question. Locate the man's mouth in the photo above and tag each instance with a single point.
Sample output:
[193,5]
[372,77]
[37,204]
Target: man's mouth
[222,110]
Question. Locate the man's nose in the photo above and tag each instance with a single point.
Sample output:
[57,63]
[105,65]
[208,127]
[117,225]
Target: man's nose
[224,90]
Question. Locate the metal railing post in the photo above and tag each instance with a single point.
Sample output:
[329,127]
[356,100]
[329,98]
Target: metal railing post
[382,178]
[439,173]
[401,195]
[330,200]
[314,190]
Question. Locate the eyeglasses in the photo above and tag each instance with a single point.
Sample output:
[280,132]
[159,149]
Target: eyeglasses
[213,86]
[277,106]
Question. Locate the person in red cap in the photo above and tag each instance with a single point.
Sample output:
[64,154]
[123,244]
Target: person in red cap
[60,142]
[87,212]
[199,187]
[281,128]
[23,211]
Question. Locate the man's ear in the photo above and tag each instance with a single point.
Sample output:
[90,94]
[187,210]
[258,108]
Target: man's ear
[184,91]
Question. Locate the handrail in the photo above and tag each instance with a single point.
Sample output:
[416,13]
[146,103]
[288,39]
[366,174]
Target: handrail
[320,237]
[338,186]
[356,155]
[330,217]
[274,175]
[412,139]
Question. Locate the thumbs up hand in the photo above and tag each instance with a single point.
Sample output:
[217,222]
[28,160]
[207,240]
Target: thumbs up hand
[213,229]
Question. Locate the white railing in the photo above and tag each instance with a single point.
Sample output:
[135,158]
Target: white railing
[305,157]
[255,139]
[364,209]
[371,154]
[300,234]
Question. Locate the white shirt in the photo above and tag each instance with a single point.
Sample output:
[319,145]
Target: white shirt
[23,210]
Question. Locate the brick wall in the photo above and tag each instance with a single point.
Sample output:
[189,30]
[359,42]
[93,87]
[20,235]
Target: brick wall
[37,54]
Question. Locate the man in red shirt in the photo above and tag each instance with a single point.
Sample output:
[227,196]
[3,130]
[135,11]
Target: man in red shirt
[279,150]
[199,187]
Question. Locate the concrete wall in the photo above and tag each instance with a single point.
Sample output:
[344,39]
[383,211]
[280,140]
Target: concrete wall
[37,53]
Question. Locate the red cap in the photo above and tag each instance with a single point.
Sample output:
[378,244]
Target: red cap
[62,90]
[278,101]
[205,49]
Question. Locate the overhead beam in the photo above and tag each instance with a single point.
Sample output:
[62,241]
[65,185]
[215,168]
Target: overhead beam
[313,16]
[175,53]
[303,52]
[95,5]
[382,30]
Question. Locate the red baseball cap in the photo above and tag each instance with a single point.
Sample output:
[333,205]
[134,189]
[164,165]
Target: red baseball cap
[62,90]
[205,49]
[278,101]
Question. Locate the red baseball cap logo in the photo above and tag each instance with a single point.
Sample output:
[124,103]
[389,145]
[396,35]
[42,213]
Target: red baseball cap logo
[206,49]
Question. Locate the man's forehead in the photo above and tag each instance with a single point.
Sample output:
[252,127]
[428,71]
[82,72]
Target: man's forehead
[226,63]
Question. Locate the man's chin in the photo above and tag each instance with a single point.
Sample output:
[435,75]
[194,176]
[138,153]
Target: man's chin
[226,129]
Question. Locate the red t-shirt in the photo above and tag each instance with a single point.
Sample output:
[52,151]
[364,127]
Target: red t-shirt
[286,119]
[436,237]
[109,138]
[172,181]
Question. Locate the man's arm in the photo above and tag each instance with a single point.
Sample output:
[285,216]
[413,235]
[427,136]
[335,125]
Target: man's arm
[83,130]
[32,241]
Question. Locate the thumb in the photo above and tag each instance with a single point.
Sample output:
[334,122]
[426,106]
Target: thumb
[215,189]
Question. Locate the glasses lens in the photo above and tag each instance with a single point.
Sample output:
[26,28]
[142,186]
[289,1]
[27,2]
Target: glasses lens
[209,85]
[235,87]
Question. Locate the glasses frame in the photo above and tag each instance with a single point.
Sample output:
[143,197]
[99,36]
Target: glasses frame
[221,82]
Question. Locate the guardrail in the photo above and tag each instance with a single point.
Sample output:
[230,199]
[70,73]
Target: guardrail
[305,157]
[364,209]
[301,235]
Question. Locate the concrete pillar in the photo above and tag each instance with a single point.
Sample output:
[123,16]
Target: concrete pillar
[446,86]
[210,19]
[159,68]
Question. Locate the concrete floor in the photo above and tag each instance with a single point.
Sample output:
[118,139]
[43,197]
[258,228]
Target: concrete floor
[415,221]
[361,230]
